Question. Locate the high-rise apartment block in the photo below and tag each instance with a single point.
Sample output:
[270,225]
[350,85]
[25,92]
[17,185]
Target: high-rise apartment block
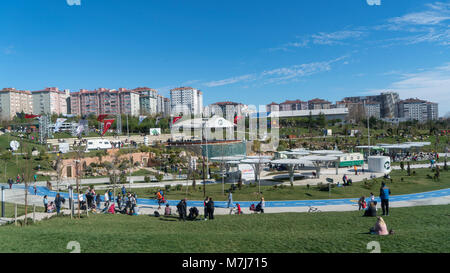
[416,109]
[105,101]
[50,101]
[14,101]
[186,99]
[387,100]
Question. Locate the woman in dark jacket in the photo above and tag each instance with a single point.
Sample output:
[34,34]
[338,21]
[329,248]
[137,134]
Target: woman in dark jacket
[210,207]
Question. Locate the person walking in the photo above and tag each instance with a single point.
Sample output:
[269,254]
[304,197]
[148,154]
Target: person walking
[230,199]
[124,190]
[10,182]
[384,196]
[58,201]
[159,198]
[45,203]
[210,206]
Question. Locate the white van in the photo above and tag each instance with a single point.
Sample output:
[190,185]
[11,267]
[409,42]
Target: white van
[98,144]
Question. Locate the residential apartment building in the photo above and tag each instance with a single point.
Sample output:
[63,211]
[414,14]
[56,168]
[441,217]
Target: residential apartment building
[387,100]
[227,109]
[14,101]
[293,105]
[416,109]
[186,99]
[166,107]
[148,100]
[50,101]
[105,101]
[373,109]
[317,104]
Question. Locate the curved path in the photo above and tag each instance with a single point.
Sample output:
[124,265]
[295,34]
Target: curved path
[41,191]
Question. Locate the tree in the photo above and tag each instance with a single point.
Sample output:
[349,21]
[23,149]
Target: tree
[321,120]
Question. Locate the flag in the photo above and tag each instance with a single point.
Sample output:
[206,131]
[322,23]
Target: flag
[31,116]
[82,125]
[141,118]
[175,119]
[59,122]
[237,118]
[101,117]
[106,125]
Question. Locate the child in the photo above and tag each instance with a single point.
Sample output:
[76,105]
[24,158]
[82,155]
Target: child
[167,210]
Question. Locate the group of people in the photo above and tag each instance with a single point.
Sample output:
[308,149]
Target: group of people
[371,210]
[346,181]
[415,157]
[55,205]
[126,202]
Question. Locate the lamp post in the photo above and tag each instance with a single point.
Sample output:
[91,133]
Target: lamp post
[3,201]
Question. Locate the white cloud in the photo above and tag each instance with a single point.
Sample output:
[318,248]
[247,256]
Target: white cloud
[279,75]
[9,50]
[334,38]
[230,80]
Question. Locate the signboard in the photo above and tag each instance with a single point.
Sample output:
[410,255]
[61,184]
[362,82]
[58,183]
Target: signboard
[247,172]
[155,131]
[64,147]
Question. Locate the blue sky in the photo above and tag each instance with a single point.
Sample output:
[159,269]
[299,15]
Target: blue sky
[249,51]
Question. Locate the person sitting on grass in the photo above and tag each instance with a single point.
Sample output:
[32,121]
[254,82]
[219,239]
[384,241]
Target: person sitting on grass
[51,207]
[380,228]
[371,211]
[112,208]
[106,208]
[167,210]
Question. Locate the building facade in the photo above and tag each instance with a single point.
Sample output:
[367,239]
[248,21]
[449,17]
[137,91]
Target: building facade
[387,100]
[148,100]
[186,99]
[293,105]
[416,109]
[105,101]
[372,109]
[50,101]
[316,104]
[14,101]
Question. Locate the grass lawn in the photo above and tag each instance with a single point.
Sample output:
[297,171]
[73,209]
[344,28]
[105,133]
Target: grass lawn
[417,229]
[9,210]
[410,184]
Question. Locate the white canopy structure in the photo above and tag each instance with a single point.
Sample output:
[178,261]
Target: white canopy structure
[291,163]
[256,162]
[199,123]
[326,152]
[296,154]
[321,159]
[227,158]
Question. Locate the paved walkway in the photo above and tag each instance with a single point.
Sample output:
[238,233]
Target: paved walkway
[148,206]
